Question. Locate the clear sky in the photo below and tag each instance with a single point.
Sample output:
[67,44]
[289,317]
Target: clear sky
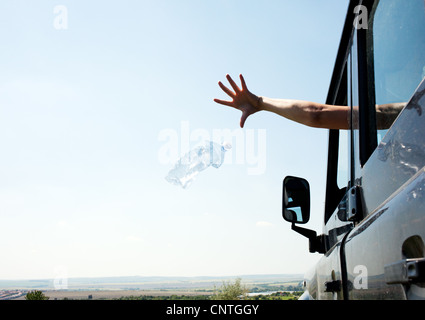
[99,98]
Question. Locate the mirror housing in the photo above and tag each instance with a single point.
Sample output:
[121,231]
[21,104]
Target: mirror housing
[296,209]
[296,200]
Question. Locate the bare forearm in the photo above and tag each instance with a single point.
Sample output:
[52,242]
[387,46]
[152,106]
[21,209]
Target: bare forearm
[387,113]
[308,113]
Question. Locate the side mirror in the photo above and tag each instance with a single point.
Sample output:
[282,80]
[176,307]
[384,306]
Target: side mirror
[296,200]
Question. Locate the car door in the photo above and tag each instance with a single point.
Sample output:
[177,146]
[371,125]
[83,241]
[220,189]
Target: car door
[383,254]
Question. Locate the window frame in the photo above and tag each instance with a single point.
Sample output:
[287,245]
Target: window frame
[366,98]
[366,87]
[338,92]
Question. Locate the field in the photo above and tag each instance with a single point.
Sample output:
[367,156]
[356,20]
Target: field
[110,294]
[161,287]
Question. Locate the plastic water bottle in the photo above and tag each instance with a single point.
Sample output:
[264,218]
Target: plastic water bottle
[198,159]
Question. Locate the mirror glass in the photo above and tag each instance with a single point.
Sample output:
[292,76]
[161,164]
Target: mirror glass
[296,200]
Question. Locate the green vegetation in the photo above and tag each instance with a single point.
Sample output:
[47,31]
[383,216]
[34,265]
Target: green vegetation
[235,291]
[277,287]
[36,295]
[278,296]
[231,291]
[171,297]
[273,296]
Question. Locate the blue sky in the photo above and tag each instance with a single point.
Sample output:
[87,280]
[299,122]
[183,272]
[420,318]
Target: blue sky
[86,111]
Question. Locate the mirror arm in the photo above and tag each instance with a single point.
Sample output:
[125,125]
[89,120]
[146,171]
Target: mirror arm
[310,234]
[316,243]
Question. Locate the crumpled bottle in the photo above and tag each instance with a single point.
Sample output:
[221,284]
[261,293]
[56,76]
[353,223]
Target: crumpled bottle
[196,160]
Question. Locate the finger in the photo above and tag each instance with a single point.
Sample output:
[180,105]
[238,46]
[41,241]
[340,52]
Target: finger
[227,90]
[244,87]
[233,84]
[226,103]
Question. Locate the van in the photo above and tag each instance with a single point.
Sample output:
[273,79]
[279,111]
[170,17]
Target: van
[372,242]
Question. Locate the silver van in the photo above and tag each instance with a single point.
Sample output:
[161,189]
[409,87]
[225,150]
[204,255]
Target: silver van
[372,242]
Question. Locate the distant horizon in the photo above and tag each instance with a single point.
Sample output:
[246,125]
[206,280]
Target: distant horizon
[144,283]
[164,276]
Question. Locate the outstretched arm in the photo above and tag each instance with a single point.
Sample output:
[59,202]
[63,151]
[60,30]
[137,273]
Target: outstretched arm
[305,112]
[308,113]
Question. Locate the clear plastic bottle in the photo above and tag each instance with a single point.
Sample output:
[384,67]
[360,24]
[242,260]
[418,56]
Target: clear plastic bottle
[198,159]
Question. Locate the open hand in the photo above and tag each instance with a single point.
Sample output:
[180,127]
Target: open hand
[242,99]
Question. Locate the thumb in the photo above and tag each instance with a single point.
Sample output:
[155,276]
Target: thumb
[243,118]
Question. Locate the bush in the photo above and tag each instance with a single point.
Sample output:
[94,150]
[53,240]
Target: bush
[230,291]
[36,295]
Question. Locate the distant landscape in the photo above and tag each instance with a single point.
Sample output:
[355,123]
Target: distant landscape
[136,286]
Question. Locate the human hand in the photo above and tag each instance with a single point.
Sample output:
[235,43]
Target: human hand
[242,99]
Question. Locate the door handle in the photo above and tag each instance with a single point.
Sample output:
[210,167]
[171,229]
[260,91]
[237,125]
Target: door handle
[405,271]
[333,286]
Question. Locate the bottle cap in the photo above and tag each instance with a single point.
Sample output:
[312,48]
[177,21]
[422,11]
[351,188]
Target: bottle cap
[227,145]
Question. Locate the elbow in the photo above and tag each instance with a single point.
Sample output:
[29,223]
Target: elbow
[327,116]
